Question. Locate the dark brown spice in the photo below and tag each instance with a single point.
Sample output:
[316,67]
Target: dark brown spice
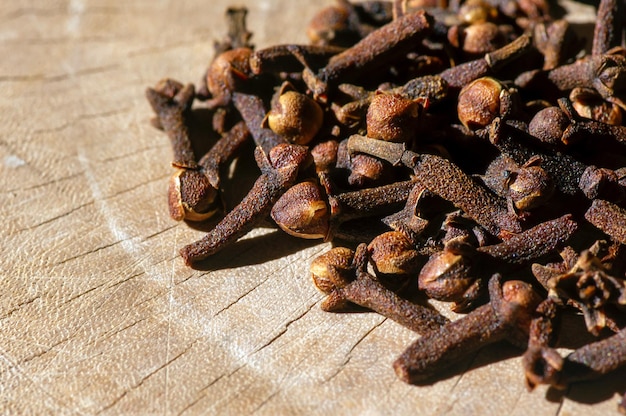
[227,71]
[407,221]
[564,169]
[304,210]
[371,53]
[223,151]
[602,183]
[392,253]
[279,170]
[170,100]
[290,58]
[294,115]
[456,273]
[589,104]
[609,218]
[541,338]
[590,286]
[593,130]
[609,28]
[605,73]
[237,35]
[533,243]
[450,275]
[585,363]
[459,76]
[252,110]
[191,196]
[346,23]
[447,180]
[365,291]
[548,125]
[507,316]
[510,177]
[525,187]
[556,41]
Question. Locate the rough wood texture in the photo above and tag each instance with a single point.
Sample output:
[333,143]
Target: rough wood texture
[98,314]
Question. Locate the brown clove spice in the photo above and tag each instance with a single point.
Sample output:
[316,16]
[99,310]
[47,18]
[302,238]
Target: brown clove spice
[279,170]
[365,291]
[507,316]
[419,135]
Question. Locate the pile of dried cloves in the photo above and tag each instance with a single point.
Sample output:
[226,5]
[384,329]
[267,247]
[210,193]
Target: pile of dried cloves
[465,151]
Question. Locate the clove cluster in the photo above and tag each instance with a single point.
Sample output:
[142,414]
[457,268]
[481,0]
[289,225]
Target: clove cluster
[469,152]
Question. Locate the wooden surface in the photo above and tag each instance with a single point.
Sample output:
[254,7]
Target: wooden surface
[98,314]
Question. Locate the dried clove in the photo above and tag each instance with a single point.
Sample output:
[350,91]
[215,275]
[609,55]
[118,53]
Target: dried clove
[294,116]
[459,76]
[279,170]
[191,196]
[290,58]
[365,291]
[562,168]
[476,164]
[609,28]
[304,210]
[393,253]
[170,100]
[585,363]
[534,242]
[541,338]
[372,52]
[223,151]
[455,274]
[525,187]
[253,112]
[609,218]
[590,287]
[407,221]
[507,316]
[447,180]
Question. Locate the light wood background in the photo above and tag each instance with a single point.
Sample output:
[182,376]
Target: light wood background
[98,314]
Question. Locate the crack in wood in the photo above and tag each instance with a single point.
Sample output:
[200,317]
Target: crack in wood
[348,354]
[144,379]
[283,330]
[19,306]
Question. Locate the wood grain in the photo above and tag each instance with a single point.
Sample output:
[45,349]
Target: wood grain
[98,314]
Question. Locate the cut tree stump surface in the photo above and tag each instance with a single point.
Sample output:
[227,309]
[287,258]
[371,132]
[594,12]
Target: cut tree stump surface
[98,313]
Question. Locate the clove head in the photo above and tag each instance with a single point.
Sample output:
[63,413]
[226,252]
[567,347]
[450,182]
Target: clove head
[477,39]
[590,287]
[225,72]
[393,118]
[333,269]
[608,73]
[191,196]
[364,170]
[516,307]
[548,125]
[331,26]
[393,253]
[325,155]
[447,274]
[529,187]
[295,116]
[479,103]
[476,11]
[289,156]
[601,183]
[542,365]
[302,211]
